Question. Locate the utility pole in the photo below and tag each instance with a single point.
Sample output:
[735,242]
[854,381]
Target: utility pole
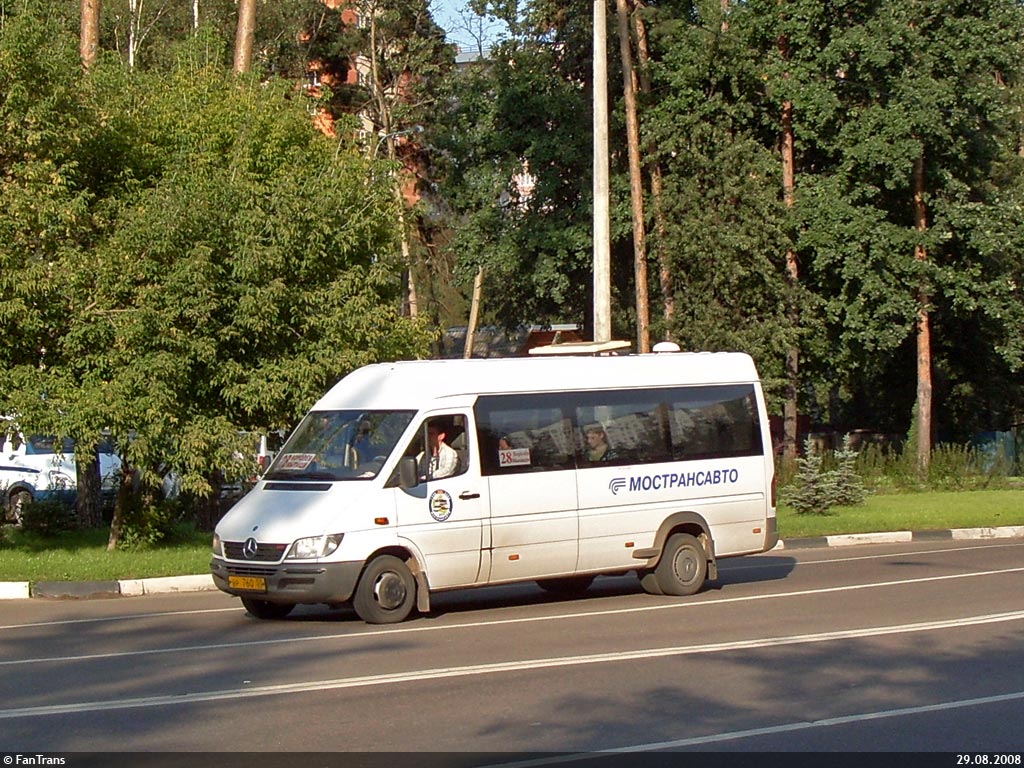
[602,217]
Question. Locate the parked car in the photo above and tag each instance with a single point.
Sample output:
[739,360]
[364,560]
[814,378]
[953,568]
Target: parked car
[43,467]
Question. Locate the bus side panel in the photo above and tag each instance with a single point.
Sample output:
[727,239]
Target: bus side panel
[621,508]
[534,525]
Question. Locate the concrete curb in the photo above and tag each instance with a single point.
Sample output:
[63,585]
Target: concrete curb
[78,590]
[17,590]
[898,537]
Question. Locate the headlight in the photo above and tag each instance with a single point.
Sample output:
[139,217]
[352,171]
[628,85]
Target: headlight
[315,546]
[218,548]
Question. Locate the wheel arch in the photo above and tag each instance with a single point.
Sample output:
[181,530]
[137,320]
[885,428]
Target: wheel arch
[414,562]
[681,522]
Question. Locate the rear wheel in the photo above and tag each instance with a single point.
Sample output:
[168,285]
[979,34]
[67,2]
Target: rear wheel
[567,584]
[264,609]
[683,566]
[16,503]
[386,591]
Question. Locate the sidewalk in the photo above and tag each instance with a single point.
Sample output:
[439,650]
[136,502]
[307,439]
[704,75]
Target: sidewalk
[16,590]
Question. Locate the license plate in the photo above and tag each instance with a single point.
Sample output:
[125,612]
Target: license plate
[248,583]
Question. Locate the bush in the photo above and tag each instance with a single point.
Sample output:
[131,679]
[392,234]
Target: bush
[48,517]
[812,491]
[159,522]
[849,488]
[820,485]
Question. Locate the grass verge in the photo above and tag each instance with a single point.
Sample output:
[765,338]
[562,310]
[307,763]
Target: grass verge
[924,511]
[82,555]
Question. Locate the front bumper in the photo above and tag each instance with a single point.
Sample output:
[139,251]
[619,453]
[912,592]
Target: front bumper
[294,583]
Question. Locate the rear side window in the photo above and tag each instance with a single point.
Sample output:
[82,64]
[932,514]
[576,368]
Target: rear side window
[538,432]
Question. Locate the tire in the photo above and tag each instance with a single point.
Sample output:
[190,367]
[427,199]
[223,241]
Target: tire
[567,584]
[16,503]
[386,592]
[683,566]
[264,609]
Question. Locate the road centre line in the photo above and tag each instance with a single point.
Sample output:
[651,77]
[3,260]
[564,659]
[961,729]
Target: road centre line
[395,678]
[731,565]
[768,730]
[500,622]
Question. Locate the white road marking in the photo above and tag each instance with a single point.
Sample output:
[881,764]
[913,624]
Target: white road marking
[395,678]
[768,730]
[500,622]
[730,565]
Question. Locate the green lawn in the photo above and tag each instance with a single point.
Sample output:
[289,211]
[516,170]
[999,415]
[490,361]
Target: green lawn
[82,556]
[925,511]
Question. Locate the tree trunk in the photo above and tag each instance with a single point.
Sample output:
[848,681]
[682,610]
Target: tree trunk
[474,312]
[924,344]
[88,507]
[790,424]
[244,36]
[134,25]
[636,189]
[657,185]
[122,504]
[89,40]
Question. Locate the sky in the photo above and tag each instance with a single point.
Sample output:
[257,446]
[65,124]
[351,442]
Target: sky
[447,15]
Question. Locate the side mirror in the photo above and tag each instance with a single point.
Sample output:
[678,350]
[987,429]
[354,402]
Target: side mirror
[408,477]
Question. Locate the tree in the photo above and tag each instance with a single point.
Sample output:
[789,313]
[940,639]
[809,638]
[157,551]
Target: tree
[514,163]
[226,262]
[917,159]
[725,221]
[403,55]
[636,188]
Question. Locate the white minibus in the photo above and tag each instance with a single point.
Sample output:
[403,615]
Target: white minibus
[411,478]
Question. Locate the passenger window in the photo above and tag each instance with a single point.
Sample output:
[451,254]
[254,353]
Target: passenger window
[523,434]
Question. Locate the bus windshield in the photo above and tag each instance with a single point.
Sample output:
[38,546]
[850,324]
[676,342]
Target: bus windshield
[339,445]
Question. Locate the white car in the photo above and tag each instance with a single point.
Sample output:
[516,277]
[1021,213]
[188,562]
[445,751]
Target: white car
[40,467]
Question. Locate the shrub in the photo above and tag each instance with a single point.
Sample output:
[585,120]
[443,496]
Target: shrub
[48,517]
[158,522]
[812,491]
[825,481]
[849,488]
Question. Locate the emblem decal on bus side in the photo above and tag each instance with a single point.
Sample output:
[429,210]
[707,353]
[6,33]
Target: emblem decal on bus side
[440,505]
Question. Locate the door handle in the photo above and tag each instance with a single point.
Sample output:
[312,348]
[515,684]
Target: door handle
[468,495]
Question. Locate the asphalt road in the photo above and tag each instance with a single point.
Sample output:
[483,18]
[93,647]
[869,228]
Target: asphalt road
[901,647]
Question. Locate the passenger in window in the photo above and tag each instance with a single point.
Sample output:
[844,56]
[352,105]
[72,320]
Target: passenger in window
[597,444]
[442,460]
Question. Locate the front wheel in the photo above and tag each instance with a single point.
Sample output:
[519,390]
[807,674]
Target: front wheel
[264,609]
[386,591]
[683,566]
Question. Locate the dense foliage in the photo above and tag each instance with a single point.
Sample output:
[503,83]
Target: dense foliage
[185,259]
[876,88]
